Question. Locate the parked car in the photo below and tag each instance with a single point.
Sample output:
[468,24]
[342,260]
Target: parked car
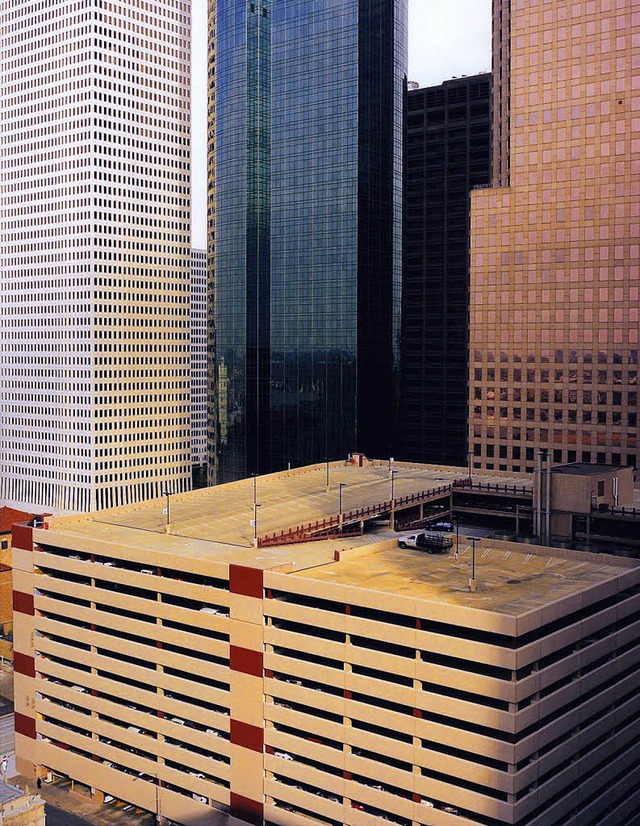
[450,809]
[442,526]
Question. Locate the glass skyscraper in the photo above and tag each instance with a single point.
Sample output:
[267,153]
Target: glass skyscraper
[305,229]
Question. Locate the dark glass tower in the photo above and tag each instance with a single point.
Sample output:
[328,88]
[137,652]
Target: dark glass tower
[306,194]
[239,231]
[448,153]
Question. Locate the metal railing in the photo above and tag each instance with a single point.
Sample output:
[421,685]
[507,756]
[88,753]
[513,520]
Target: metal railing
[518,490]
[634,513]
[307,532]
[292,537]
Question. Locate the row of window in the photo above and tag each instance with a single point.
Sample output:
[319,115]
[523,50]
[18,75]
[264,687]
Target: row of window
[559,357]
[546,376]
[616,418]
[610,440]
[558,396]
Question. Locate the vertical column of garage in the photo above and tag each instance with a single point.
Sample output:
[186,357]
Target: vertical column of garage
[246,637]
[97,795]
[24,650]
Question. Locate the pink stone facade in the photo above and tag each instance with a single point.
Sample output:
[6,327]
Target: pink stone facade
[555,255]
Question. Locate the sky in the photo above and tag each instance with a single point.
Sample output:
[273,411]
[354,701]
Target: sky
[447,38]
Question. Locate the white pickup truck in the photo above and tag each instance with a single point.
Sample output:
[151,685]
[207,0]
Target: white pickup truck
[431,543]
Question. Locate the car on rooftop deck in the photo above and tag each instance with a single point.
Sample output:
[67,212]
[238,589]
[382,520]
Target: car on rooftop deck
[431,543]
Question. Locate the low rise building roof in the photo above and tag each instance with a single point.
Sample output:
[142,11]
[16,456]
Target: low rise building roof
[585,469]
[223,514]
[212,528]
[10,516]
[512,579]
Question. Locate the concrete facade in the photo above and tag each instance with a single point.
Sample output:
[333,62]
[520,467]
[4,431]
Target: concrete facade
[343,681]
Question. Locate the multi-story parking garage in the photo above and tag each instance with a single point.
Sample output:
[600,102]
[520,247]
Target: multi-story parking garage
[162,658]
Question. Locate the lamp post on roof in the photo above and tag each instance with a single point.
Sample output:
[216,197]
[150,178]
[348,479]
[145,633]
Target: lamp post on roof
[392,517]
[255,523]
[340,486]
[473,587]
[327,486]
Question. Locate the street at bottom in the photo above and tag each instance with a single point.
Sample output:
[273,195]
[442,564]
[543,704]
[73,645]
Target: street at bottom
[58,817]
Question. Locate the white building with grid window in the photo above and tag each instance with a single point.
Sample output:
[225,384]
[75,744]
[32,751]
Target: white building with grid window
[199,360]
[95,252]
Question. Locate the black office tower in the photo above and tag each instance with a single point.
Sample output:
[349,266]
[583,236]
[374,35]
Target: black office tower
[448,153]
[305,230]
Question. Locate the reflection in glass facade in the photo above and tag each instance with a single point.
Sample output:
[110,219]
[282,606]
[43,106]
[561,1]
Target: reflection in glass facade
[239,236]
[307,139]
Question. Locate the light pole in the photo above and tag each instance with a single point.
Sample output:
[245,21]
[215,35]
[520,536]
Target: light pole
[455,556]
[390,464]
[392,519]
[167,525]
[255,524]
[472,581]
[340,486]
[327,479]
[470,463]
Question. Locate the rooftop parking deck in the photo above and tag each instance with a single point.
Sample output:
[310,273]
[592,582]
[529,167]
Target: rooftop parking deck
[214,526]
[511,579]
[224,514]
